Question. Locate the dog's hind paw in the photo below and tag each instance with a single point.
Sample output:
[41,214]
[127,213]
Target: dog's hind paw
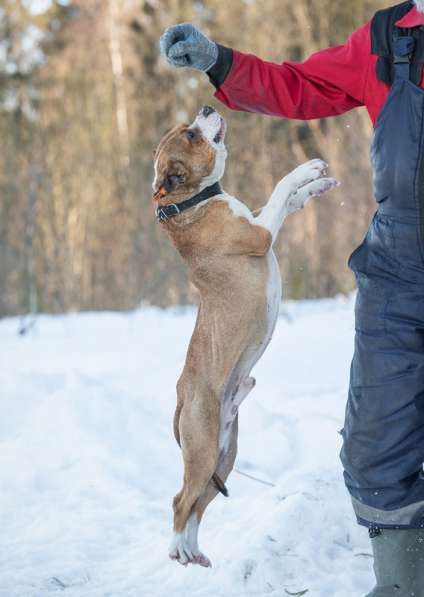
[202,560]
[182,552]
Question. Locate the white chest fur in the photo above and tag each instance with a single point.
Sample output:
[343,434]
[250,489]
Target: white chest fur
[238,208]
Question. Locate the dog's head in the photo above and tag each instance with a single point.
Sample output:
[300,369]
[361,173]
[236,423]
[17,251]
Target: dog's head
[190,157]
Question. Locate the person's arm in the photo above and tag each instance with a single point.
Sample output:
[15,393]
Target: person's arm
[328,83]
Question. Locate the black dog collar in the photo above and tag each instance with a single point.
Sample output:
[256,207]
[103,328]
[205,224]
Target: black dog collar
[169,211]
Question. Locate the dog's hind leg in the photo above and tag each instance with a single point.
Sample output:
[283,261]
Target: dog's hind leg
[229,409]
[185,546]
[224,468]
[199,435]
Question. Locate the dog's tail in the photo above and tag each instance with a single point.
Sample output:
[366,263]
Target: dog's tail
[220,485]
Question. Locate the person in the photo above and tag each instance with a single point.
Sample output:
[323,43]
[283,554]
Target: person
[380,67]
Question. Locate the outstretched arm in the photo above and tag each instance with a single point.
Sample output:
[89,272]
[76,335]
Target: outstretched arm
[330,82]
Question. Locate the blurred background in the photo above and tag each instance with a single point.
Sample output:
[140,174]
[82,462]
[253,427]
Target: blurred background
[84,99]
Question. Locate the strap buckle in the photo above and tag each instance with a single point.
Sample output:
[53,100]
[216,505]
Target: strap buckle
[403,49]
[167,211]
[402,59]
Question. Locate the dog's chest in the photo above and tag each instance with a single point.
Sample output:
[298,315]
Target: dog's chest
[240,384]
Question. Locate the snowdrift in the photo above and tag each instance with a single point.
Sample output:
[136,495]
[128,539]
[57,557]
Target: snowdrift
[89,466]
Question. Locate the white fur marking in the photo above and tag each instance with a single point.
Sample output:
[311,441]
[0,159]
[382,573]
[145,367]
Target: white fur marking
[184,546]
[209,127]
[191,530]
[180,550]
[274,294]
[155,180]
[239,209]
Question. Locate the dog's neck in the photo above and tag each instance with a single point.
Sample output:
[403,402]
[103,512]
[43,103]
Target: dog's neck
[163,198]
[167,212]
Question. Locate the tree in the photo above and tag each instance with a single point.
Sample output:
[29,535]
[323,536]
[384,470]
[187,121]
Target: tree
[84,99]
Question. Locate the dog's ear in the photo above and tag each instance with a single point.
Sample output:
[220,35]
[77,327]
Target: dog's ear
[165,137]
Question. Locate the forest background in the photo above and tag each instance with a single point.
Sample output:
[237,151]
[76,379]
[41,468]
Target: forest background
[84,99]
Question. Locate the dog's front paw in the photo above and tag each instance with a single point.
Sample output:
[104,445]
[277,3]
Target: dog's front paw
[305,173]
[315,188]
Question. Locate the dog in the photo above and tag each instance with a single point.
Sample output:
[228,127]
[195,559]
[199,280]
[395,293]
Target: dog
[228,251]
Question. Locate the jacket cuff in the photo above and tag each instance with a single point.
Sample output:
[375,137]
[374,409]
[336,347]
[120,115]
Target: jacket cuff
[219,71]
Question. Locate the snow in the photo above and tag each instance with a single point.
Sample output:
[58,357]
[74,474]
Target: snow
[89,465]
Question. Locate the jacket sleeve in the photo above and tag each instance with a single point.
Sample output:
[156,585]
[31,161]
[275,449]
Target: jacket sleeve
[328,83]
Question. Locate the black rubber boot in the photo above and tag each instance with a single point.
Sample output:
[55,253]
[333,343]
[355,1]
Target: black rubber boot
[398,563]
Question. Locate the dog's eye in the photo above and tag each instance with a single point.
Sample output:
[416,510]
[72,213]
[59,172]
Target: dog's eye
[190,134]
[173,180]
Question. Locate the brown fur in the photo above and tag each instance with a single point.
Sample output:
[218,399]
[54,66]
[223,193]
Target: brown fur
[192,159]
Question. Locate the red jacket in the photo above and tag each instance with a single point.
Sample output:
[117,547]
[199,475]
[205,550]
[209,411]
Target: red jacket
[328,83]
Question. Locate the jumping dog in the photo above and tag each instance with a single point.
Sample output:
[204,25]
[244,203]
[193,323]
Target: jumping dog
[229,255]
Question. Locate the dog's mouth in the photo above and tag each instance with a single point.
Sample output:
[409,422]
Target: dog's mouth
[211,125]
[221,132]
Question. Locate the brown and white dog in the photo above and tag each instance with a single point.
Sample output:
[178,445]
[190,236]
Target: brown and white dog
[228,252]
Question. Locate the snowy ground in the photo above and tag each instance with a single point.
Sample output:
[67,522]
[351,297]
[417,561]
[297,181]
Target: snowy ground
[88,463]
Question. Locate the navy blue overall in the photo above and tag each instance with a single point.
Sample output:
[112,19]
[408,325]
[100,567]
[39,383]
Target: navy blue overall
[383,449]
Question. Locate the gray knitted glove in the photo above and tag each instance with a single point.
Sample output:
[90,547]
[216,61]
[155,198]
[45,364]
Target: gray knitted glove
[184,45]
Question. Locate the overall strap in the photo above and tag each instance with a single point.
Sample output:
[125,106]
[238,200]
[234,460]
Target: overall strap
[403,50]
[384,34]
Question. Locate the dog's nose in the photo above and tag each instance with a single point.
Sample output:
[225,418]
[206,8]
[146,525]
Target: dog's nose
[206,110]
